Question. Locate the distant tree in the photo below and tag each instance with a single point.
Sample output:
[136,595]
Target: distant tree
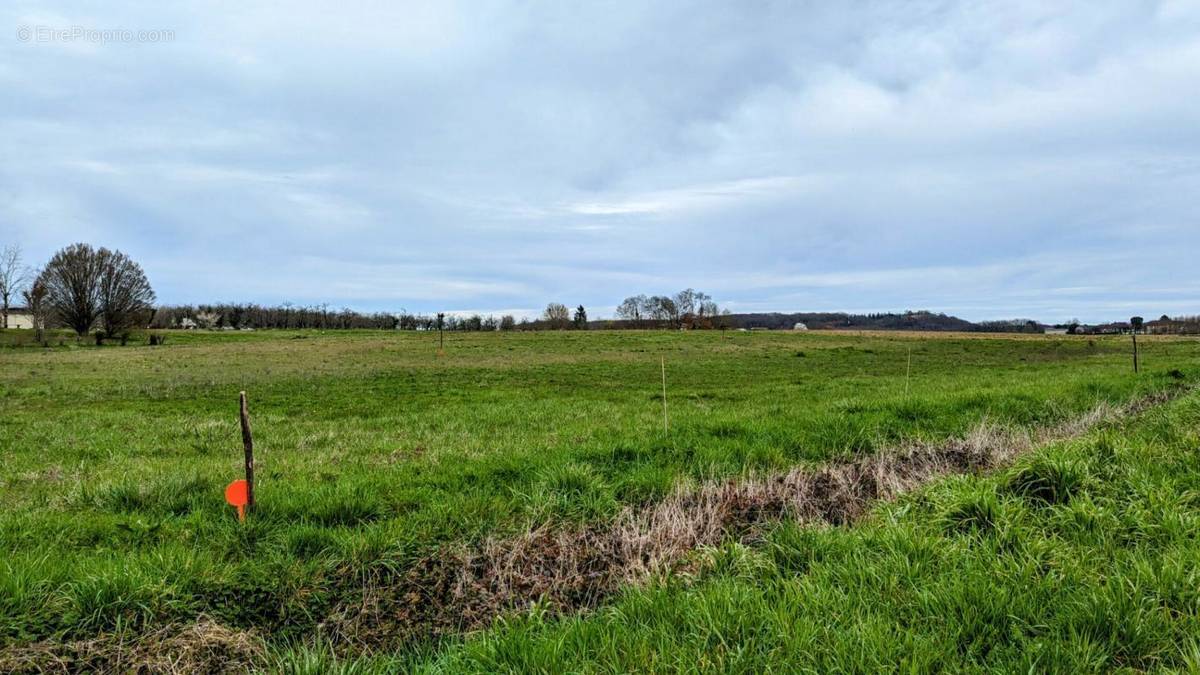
[35,300]
[556,315]
[707,312]
[581,320]
[663,310]
[126,298]
[632,308]
[13,278]
[1136,323]
[83,285]
[1164,317]
[72,281]
[685,303]
[507,322]
[208,320]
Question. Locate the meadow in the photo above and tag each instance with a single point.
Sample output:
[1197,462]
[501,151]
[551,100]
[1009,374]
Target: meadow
[379,455]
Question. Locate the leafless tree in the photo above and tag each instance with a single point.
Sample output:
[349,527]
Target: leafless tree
[35,300]
[663,310]
[557,315]
[685,303]
[13,278]
[632,308]
[696,309]
[72,281]
[126,298]
[84,285]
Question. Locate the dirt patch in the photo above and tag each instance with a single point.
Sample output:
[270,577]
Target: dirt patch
[568,569]
[201,647]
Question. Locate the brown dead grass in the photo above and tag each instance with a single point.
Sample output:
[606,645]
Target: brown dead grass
[568,569]
[201,647]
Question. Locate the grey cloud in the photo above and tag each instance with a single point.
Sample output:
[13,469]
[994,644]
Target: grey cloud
[1007,159]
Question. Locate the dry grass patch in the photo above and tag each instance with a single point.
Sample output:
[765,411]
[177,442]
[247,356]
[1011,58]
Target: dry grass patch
[198,648]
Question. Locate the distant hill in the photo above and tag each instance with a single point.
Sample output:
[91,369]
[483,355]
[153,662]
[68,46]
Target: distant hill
[921,320]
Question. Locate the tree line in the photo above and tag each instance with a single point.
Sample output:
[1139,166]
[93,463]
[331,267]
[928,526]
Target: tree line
[688,308]
[91,289]
[237,316]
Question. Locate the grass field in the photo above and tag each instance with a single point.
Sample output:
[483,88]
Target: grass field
[377,455]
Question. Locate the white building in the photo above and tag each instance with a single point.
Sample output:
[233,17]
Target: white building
[800,326]
[19,317]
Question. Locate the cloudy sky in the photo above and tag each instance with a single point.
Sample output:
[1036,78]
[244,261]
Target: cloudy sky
[990,160]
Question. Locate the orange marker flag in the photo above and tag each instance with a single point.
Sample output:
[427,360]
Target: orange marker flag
[237,496]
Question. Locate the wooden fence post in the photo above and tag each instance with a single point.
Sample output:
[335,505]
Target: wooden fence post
[1135,353]
[248,445]
[666,426]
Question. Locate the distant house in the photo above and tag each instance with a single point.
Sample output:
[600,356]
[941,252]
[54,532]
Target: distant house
[800,326]
[19,317]
[1057,331]
[1168,326]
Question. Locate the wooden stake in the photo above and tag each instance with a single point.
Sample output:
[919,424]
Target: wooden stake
[1135,352]
[248,445]
[908,371]
[666,427]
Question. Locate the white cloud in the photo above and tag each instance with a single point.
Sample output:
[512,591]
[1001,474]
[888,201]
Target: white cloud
[994,159]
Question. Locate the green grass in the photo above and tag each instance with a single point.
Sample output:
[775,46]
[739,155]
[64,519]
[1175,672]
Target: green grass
[373,450]
[972,573]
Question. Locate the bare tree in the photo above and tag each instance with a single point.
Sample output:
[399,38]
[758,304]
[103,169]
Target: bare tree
[685,304]
[663,310]
[35,300]
[72,281]
[507,322]
[13,278]
[126,298]
[557,315]
[631,308]
[696,309]
[707,312]
[84,285]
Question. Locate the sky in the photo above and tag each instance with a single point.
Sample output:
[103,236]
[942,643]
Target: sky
[989,160]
